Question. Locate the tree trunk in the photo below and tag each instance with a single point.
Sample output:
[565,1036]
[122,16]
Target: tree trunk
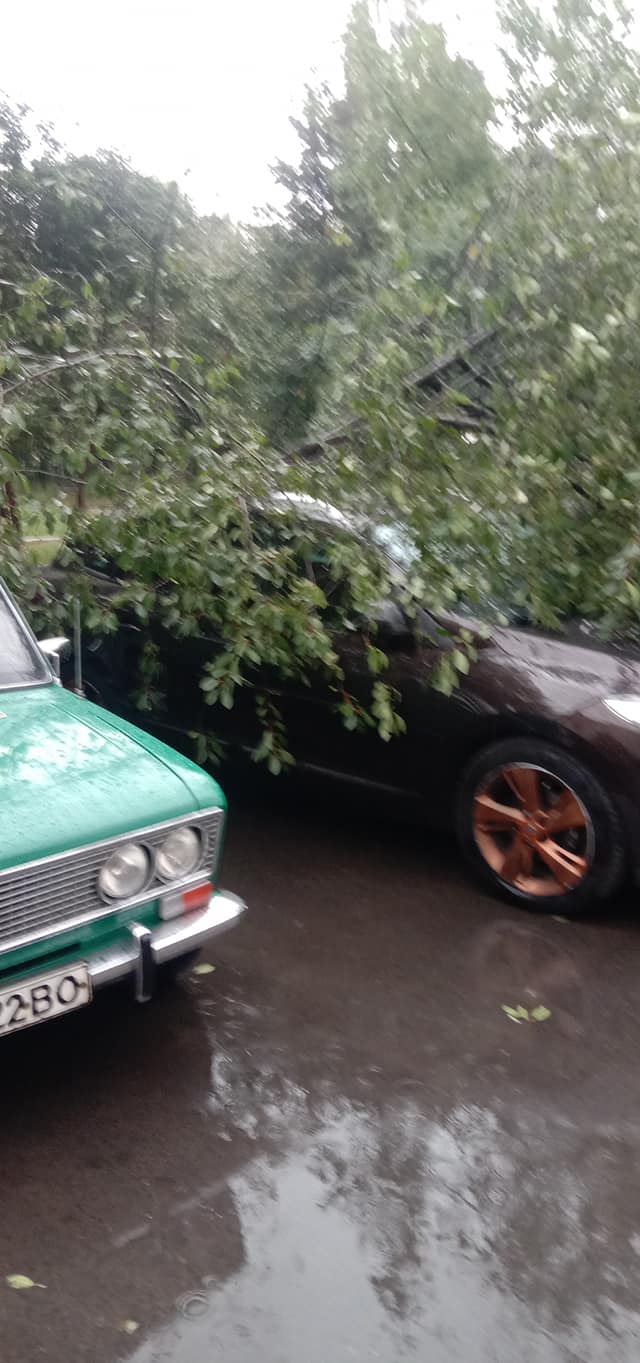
[9,511]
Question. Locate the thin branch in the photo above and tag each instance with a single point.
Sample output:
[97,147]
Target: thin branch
[171,379]
[134,231]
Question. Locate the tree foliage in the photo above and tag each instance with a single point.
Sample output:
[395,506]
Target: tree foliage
[160,372]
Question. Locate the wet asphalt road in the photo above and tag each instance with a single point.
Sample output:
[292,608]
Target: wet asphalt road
[337,1146]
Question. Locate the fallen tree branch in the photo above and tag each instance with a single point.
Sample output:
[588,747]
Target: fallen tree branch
[61,363]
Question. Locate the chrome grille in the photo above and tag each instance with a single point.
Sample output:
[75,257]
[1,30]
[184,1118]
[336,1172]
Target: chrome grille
[61,892]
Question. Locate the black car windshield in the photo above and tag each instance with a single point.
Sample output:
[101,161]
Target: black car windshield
[21,663]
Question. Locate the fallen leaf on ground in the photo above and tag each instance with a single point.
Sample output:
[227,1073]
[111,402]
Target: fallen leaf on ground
[129,1326]
[203,969]
[540,1014]
[511,1013]
[20,1282]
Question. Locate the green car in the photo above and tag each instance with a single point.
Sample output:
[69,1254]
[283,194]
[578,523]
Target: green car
[109,843]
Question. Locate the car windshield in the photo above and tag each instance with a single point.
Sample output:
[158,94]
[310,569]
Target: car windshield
[21,663]
[397,544]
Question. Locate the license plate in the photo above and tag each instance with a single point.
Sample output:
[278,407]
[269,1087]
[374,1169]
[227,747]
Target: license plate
[42,997]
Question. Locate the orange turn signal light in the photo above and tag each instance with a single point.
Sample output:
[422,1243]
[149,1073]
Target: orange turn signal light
[198,898]
[185,901]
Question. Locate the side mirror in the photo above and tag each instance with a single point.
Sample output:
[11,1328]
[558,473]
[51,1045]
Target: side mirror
[54,651]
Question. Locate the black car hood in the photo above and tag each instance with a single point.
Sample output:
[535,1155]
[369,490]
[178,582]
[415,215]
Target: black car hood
[599,669]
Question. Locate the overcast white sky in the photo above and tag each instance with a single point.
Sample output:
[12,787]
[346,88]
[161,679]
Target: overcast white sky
[199,91]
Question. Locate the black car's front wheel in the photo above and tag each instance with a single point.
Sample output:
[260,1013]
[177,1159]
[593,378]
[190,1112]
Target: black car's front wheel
[540,827]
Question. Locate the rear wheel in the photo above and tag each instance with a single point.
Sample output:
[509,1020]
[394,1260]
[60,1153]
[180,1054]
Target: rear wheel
[540,827]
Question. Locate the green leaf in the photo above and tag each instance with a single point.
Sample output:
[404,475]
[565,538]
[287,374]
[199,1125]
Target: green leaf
[203,968]
[461,661]
[540,1013]
[20,1282]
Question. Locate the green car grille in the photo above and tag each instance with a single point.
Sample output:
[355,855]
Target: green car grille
[60,892]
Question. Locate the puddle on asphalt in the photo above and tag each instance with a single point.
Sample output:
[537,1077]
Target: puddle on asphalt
[391,1231]
[343,1261]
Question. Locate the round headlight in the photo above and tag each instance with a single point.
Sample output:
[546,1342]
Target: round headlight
[125,873]
[179,854]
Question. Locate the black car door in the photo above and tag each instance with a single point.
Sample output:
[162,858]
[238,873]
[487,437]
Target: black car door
[412,762]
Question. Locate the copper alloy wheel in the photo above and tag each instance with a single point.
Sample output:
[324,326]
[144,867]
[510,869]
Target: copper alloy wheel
[532,830]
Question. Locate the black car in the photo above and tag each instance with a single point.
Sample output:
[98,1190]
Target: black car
[534,757]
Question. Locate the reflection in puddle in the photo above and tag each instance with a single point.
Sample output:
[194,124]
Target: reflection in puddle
[471,1202]
[386,1234]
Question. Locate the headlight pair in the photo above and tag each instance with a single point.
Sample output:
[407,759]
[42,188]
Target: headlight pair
[129,867]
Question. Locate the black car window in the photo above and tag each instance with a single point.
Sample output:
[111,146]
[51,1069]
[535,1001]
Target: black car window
[96,561]
[315,541]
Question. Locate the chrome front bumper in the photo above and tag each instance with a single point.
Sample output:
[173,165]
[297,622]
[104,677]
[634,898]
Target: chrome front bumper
[141,949]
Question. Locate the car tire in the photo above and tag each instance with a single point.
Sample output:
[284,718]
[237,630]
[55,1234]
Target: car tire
[539,827]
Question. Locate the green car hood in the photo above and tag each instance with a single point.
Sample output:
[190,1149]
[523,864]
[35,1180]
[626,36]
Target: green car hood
[71,774]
